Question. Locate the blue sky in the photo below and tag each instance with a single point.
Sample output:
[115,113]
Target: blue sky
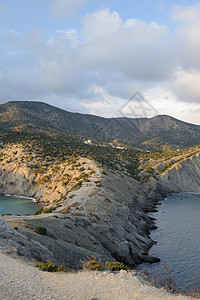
[23,15]
[92,56]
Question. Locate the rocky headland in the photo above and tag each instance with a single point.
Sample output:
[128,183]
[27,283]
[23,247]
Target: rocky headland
[88,211]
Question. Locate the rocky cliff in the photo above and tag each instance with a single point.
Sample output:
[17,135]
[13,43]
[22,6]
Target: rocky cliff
[105,216]
[184,176]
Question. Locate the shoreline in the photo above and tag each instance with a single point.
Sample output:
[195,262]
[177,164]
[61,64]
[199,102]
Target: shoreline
[175,268]
[19,196]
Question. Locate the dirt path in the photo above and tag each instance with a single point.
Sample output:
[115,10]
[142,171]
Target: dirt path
[21,281]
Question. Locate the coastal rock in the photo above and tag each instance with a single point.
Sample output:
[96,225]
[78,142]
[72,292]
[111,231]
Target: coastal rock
[184,176]
[108,221]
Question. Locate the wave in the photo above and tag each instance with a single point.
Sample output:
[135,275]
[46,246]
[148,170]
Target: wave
[20,196]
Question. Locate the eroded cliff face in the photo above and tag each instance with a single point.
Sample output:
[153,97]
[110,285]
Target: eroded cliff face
[47,181]
[105,217]
[184,176]
[106,220]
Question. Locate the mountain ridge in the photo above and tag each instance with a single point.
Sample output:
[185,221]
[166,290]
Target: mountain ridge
[151,133]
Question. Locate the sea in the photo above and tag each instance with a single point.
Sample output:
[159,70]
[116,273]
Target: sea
[17,205]
[178,241]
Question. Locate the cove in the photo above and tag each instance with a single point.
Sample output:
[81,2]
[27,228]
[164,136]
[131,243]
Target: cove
[178,240]
[17,205]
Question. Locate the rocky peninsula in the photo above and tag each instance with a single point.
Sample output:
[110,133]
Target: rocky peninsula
[89,211]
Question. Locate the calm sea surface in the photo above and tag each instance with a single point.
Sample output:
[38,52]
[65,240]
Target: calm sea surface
[17,205]
[178,237]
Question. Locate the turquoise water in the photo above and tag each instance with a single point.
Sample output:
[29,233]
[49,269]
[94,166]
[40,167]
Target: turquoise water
[17,205]
[178,237]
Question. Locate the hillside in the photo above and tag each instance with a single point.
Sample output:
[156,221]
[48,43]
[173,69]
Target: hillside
[88,210]
[96,198]
[157,133]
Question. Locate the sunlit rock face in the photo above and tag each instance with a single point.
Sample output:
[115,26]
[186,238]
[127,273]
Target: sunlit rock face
[184,176]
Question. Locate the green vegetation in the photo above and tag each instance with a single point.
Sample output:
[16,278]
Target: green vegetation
[40,230]
[116,266]
[39,211]
[94,265]
[48,210]
[51,267]
[160,133]
[149,170]
[51,149]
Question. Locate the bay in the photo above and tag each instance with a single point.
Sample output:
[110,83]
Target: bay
[17,205]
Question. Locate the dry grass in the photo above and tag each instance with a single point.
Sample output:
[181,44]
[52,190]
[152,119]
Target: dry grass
[169,284]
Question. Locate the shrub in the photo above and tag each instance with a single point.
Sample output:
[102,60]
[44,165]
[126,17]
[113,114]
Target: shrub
[48,210]
[38,212]
[94,265]
[40,230]
[149,170]
[62,268]
[76,186]
[116,266]
[51,267]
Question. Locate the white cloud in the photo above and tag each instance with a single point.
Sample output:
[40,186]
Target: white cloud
[70,34]
[187,35]
[113,54]
[188,44]
[101,24]
[186,85]
[133,48]
[99,67]
[63,8]
[166,102]
[185,14]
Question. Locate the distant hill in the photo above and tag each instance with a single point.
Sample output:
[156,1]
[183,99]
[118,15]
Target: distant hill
[154,133]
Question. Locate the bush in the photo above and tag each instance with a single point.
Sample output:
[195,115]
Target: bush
[48,210]
[40,230]
[38,212]
[51,267]
[149,170]
[62,268]
[116,266]
[94,265]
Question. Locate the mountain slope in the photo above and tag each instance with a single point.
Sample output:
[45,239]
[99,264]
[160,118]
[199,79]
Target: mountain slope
[152,133]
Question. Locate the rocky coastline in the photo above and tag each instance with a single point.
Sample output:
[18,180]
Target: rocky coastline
[106,218]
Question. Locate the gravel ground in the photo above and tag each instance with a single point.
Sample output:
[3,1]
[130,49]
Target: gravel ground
[22,281]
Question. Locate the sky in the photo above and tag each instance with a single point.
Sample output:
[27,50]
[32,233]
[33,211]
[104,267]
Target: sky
[109,58]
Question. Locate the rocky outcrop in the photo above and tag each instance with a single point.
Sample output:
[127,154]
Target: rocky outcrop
[184,176]
[14,242]
[105,218]
[47,181]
